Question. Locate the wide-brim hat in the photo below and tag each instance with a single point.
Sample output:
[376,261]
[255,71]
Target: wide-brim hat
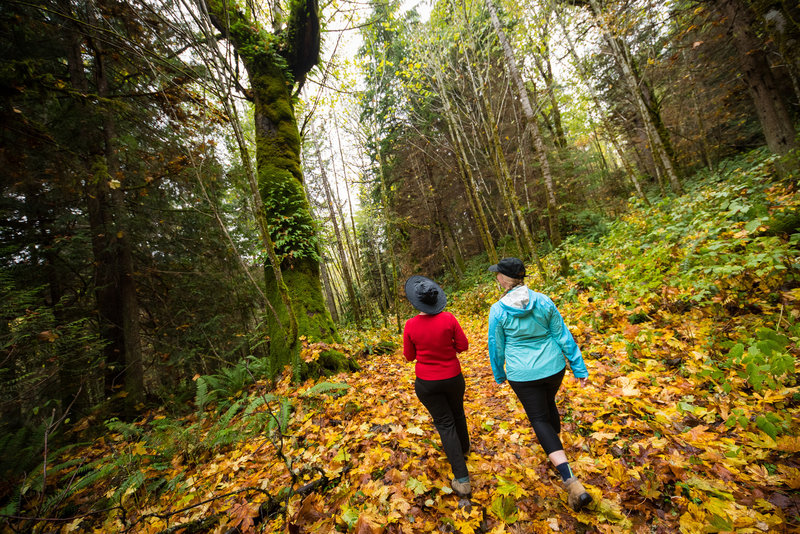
[511,267]
[425,294]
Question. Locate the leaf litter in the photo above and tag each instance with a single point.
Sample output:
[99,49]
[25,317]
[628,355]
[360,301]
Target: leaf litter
[689,424]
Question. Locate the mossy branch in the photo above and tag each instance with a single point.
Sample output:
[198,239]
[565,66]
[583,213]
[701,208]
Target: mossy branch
[296,49]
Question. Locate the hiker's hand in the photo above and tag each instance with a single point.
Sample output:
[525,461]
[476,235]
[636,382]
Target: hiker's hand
[584,382]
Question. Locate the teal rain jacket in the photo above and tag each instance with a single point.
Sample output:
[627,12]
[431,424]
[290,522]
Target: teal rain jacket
[528,338]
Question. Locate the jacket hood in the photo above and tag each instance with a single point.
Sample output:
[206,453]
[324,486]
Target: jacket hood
[518,301]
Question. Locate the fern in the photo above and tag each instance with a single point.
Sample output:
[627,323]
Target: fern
[63,466]
[285,414]
[230,413]
[176,483]
[324,387]
[227,383]
[201,397]
[129,431]
[95,476]
[55,499]
[20,449]
[13,505]
[133,482]
[257,402]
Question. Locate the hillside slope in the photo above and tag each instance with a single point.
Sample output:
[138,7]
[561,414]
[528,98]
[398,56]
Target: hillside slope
[687,314]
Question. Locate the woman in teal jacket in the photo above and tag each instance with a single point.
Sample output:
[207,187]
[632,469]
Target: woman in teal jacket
[529,345]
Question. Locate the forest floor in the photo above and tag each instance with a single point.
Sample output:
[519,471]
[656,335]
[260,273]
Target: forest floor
[649,441]
[688,316]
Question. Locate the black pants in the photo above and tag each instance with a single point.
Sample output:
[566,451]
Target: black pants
[538,397]
[444,400]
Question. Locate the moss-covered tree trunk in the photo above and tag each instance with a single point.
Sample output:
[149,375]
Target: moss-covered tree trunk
[288,215]
[275,64]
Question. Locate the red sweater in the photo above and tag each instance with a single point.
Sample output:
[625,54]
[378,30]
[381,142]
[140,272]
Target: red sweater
[434,341]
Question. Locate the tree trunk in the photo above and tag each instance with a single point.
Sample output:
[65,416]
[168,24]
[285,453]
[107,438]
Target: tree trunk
[114,286]
[351,242]
[533,127]
[293,279]
[465,174]
[395,291]
[383,296]
[444,225]
[654,127]
[596,100]
[771,108]
[545,68]
[328,287]
[505,182]
[128,302]
[348,279]
[628,169]
[429,196]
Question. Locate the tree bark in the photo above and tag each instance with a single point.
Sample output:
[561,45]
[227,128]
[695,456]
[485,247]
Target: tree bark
[115,289]
[533,127]
[505,182]
[654,127]
[128,302]
[596,100]
[348,278]
[771,108]
[395,291]
[295,271]
[355,256]
[465,173]
[444,225]
[546,70]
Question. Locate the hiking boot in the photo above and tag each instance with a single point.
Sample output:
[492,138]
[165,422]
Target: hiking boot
[576,495]
[462,489]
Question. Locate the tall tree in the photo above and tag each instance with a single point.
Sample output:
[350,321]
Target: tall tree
[97,148]
[489,124]
[640,91]
[344,261]
[384,46]
[584,76]
[277,64]
[532,125]
[768,99]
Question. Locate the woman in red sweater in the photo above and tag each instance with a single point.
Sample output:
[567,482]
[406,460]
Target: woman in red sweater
[434,338]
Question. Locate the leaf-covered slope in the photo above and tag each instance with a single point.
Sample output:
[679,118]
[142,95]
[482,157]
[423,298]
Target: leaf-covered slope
[650,443]
[687,314]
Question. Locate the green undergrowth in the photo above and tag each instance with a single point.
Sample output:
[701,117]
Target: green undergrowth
[724,254]
[731,238]
[729,242]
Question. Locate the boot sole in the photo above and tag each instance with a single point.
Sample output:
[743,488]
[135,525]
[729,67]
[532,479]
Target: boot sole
[583,501]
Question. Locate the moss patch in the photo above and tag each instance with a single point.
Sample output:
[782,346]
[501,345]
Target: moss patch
[313,320]
[329,362]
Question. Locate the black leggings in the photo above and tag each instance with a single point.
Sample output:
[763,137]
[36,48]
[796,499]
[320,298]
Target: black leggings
[538,397]
[444,400]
